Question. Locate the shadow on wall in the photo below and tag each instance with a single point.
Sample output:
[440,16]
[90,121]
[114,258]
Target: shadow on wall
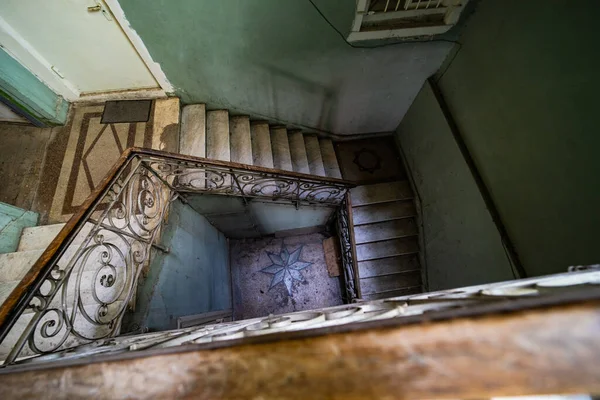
[311,95]
[281,60]
[192,278]
[462,246]
[523,90]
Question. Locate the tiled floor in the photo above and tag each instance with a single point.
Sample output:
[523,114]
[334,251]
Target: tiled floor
[91,149]
[52,171]
[278,275]
[22,150]
[370,160]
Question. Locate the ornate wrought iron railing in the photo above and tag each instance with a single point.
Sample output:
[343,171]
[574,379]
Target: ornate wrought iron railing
[467,301]
[186,175]
[79,289]
[348,249]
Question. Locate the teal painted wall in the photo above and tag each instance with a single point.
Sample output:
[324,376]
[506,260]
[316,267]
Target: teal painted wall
[273,217]
[280,60]
[524,92]
[462,244]
[12,222]
[237,220]
[193,278]
[30,95]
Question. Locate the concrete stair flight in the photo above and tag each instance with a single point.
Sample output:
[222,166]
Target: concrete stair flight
[14,266]
[386,235]
[217,135]
[33,242]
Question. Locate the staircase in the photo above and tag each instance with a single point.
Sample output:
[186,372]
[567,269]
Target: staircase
[14,266]
[217,135]
[210,134]
[386,236]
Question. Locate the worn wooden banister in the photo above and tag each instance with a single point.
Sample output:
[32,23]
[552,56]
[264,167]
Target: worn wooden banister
[549,350]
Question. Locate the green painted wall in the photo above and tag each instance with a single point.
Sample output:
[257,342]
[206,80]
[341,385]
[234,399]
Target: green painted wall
[280,60]
[524,92]
[193,278]
[30,95]
[462,244]
[12,222]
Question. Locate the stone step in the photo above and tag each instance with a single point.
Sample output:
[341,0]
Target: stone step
[383,212]
[262,153]
[14,266]
[217,135]
[192,139]
[38,237]
[298,152]
[387,266]
[380,193]
[387,248]
[385,230]
[85,292]
[313,153]
[241,143]
[330,162]
[282,159]
[393,293]
[389,283]
[6,288]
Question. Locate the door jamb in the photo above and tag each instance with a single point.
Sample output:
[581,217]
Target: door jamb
[139,46]
[31,59]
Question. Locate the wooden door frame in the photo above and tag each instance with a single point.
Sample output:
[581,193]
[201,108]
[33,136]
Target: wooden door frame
[30,58]
[139,46]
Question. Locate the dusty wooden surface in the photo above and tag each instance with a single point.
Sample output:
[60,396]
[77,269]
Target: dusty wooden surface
[333,258]
[530,352]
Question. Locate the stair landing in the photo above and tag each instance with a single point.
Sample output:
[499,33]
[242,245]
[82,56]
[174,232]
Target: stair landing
[264,283]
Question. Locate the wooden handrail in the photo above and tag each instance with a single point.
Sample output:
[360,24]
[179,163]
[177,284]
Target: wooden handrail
[238,166]
[549,350]
[17,300]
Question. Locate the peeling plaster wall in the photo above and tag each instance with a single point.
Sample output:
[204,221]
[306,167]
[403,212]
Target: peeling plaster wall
[193,278]
[462,244]
[524,92]
[280,60]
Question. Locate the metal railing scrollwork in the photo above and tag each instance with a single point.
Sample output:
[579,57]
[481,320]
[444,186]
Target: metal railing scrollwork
[211,178]
[345,231]
[426,307]
[83,295]
[79,289]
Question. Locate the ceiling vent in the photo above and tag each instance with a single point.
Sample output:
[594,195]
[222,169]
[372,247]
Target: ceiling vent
[403,19]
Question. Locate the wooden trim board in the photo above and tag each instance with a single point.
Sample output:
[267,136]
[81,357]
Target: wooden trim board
[541,351]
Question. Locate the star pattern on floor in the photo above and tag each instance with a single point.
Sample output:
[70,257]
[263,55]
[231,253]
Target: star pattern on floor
[286,268]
